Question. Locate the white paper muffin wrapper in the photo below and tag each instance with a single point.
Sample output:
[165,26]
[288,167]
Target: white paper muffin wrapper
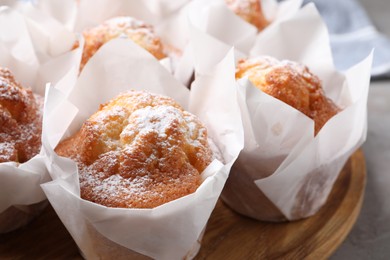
[214,29]
[170,230]
[279,140]
[37,49]
[305,176]
[216,19]
[168,18]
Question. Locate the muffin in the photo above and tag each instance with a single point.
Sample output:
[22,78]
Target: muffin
[121,27]
[140,150]
[290,82]
[20,140]
[250,11]
[20,120]
[293,84]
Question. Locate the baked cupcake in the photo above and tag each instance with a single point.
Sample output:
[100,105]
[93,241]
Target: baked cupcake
[250,11]
[20,140]
[140,150]
[121,27]
[292,89]
[290,82]
[169,181]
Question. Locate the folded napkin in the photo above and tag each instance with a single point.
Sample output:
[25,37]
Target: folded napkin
[353,35]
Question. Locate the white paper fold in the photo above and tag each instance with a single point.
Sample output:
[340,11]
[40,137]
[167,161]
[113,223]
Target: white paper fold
[19,185]
[212,23]
[171,230]
[37,49]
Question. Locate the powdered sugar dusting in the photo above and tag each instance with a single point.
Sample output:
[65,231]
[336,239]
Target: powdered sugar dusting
[262,63]
[121,27]
[146,151]
[239,5]
[20,120]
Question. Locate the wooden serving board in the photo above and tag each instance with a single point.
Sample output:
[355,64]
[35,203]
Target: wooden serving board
[228,234]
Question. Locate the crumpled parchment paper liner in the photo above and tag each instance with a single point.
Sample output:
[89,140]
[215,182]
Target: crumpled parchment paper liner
[171,230]
[212,25]
[35,47]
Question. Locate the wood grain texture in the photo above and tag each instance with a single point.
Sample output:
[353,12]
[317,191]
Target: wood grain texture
[228,234]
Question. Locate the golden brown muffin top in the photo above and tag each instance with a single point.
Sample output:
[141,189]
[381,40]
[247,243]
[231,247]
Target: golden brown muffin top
[20,120]
[250,11]
[291,83]
[140,150]
[121,27]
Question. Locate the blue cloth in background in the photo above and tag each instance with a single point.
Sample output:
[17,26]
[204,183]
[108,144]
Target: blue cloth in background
[353,36]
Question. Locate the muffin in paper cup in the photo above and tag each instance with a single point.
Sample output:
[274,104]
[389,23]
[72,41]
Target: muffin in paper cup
[31,50]
[285,171]
[167,18]
[172,230]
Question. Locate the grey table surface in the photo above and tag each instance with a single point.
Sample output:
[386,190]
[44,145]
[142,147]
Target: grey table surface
[370,236]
